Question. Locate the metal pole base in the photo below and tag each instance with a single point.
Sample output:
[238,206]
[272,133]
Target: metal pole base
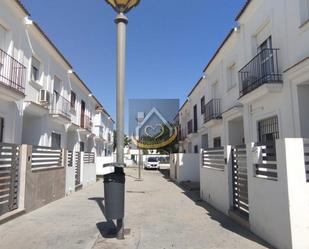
[120,229]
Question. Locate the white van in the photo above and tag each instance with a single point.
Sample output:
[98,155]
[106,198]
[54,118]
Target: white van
[152,163]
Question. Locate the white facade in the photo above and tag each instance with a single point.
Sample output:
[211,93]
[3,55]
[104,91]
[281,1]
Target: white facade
[281,20]
[45,103]
[255,90]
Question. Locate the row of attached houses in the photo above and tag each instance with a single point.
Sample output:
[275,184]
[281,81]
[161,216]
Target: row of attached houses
[255,92]
[42,100]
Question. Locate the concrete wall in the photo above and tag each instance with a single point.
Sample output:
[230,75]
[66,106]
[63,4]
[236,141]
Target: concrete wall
[216,184]
[42,186]
[11,112]
[279,209]
[185,167]
[88,174]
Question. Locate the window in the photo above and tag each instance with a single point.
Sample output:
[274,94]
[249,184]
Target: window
[268,129]
[35,70]
[304,11]
[217,142]
[82,146]
[57,85]
[203,105]
[205,141]
[56,140]
[232,77]
[1,129]
[73,99]
[195,118]
[196,149]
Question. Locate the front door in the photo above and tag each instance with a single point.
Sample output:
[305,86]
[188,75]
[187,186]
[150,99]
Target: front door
[82,114]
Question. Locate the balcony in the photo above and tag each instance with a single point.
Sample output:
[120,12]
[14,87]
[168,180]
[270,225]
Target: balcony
[60,108]
[212,110]
[262,69]
[12,77]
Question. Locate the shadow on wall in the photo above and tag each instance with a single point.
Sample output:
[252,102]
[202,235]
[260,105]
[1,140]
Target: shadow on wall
[107,229]
[216,215]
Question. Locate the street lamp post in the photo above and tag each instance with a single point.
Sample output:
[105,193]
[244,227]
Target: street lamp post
[121,7]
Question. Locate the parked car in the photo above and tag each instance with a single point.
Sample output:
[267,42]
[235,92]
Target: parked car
[152,163]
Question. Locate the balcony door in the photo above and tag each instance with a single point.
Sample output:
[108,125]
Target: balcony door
[82,114]
[267,61]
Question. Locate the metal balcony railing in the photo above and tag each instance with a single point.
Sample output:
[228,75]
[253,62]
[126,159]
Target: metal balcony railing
[60,105]
[12,73]
[262,69]
[212,110]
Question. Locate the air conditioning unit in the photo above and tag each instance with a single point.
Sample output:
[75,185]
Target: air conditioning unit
[44,97]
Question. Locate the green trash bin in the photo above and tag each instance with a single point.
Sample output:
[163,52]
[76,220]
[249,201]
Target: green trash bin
[114,191]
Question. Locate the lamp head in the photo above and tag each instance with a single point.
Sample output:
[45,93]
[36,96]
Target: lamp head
[123,6]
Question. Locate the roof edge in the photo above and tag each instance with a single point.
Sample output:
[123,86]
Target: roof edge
[243,9]
[20,4]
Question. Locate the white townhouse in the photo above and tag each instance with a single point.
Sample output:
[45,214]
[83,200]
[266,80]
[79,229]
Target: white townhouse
[255,94]
[43,102]
[258,75]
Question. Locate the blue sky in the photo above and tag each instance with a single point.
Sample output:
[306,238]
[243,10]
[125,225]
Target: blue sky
[168,45]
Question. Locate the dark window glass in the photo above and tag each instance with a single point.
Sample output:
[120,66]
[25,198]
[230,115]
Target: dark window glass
[82,146]
[203,105]
[195,118]
[56,141]
[196,149]
[35,73]
[217,142]
[1,129]
[73,99]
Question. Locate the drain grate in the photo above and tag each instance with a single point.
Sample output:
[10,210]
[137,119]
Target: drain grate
[135,192]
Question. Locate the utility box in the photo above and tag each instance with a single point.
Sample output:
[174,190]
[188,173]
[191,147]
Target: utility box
[114,190]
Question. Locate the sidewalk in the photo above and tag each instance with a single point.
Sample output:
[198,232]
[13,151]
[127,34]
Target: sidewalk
[159,214]
[69,223]
[162,215]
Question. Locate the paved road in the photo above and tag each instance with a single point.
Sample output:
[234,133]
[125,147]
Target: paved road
[159,215]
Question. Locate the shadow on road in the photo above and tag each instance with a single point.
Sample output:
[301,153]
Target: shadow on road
[107,229]
[214,214]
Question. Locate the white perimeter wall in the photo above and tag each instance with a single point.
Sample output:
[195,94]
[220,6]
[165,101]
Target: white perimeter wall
[185,167]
